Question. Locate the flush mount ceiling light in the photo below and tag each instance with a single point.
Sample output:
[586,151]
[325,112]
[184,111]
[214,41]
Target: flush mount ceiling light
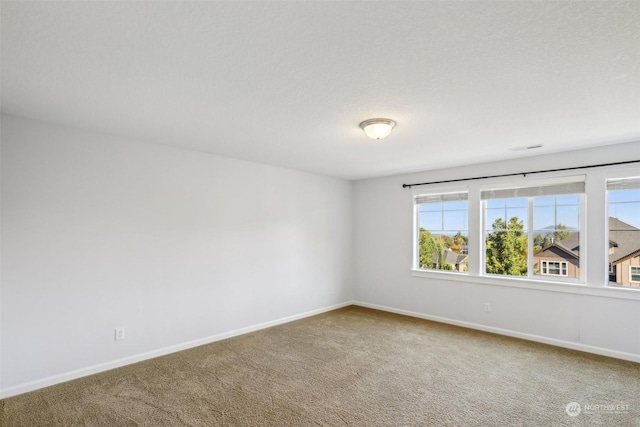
[377,128]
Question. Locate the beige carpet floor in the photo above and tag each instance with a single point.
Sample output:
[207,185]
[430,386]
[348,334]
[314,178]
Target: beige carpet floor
[355,367]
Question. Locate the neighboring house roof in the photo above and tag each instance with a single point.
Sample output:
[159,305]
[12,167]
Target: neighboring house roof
[570,244]
[451,257]
[454,258]
[625,238]
[558,250]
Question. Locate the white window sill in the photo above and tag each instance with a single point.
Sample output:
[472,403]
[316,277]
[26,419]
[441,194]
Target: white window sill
[526,283]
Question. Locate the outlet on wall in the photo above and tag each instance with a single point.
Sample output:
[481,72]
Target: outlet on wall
[487,307]
[119,334]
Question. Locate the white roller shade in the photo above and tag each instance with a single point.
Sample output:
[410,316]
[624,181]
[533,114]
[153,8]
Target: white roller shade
[556,189]
[435,198]
[629,183]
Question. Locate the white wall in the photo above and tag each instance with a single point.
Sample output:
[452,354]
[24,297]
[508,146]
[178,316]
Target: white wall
[177,247]
[182,248]
[383,233]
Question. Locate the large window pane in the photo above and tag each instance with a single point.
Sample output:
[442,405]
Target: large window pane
[506,240]
[443,234]
[624,233]
[556,236]
[538,235]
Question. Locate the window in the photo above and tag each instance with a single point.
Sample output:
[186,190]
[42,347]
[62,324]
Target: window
[624,230]
[442,224]
[526,226]
[554,268]
[500,232]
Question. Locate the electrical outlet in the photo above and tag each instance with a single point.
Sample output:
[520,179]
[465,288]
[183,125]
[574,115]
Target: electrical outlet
[487,307]
[119,334]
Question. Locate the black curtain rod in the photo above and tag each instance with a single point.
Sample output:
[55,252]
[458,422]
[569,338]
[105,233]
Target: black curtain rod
[520,173]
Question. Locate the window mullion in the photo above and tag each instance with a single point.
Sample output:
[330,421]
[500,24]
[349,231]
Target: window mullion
[476,231]
[530,237]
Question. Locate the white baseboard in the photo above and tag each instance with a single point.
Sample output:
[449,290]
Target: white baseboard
[537,338]
[68,376]
[79,373]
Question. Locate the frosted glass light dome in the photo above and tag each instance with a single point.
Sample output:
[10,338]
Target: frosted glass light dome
[377,128]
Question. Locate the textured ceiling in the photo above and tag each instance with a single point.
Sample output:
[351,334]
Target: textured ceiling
[286,83]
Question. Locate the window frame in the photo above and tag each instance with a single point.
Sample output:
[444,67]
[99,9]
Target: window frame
[632,174]
[631,274]
[435,191]
[594,252]
[527,184]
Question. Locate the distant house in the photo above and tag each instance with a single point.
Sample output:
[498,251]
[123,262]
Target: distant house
[458,262]
[624,253]
[562,258]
